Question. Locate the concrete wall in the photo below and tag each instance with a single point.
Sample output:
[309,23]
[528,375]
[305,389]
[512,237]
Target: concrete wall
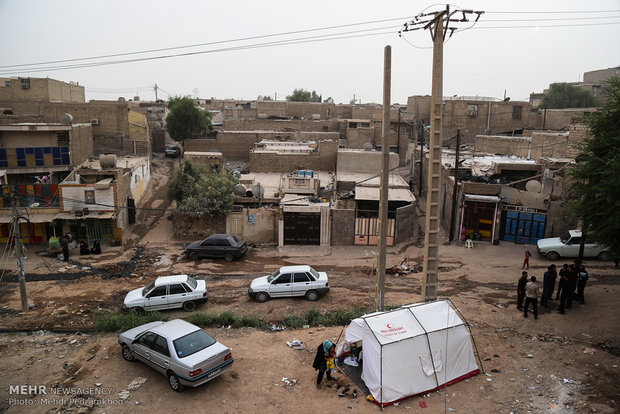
[323,159]
[255,225]
[343,227]
[405,224]
[363,161]
[233,145]
[81,143]
[43,89]
[494,144]
[281,125]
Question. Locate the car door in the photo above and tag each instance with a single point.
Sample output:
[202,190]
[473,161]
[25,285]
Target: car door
[281,286]
[157,298]
[177,295]
[207,248]
[160,354]
[571,248]
[223,247]
[142,347]
[301,283]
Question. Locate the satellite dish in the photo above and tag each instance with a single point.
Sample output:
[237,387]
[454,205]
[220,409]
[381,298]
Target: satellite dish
[258,191]
[368,146]
[533,186]
[66,119]
[240,190]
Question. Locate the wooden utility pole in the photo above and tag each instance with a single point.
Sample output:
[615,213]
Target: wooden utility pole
[439,25]
[385,174]
[19,251]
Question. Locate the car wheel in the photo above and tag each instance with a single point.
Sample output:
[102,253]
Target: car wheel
[312,295]
[174,382]
[553,256]
[228,257]
[262,297]
[194,256]
[127,354]
[189,306]
[604,256]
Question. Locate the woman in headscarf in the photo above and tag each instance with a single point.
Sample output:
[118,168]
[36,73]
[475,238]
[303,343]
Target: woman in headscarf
[320,361]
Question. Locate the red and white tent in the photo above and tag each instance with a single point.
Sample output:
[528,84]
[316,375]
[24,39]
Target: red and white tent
[412,350]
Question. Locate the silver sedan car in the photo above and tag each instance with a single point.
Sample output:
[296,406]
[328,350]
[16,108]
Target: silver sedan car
[183,352]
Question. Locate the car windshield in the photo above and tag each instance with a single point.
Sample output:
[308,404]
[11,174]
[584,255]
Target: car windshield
[148,288]
[235,239]
[565,237]
[192,343]
[171,147]
[192,282]
[273,275]
[314,273]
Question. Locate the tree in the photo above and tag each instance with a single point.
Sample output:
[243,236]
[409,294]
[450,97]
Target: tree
[596,186]
[302,95]
[186,120]
[266,98]
[200,193]
[563,95]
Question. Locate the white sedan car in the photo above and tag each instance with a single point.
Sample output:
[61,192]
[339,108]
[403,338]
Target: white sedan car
[568,246]
[183,352]
[290,281]
[168,292]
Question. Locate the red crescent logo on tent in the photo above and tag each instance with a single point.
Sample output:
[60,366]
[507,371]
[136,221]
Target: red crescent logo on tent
[388,325]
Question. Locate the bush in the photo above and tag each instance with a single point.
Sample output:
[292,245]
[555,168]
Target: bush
[314,317]
[252,321]
[294,321]
[117,322]
[202,319]
[226,318]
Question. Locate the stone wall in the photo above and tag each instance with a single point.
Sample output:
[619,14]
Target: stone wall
[185,228]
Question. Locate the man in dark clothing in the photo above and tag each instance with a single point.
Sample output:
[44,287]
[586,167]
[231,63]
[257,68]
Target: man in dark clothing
[521,290]
[548,285]
[320,361]
[64,244]
[582,279]
[562,281]
[568,291]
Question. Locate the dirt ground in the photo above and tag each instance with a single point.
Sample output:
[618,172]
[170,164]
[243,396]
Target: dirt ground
[555,364]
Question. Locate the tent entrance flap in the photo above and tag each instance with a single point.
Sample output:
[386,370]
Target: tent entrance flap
[411,350]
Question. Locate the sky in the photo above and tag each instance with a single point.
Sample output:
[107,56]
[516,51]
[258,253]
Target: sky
[516,47]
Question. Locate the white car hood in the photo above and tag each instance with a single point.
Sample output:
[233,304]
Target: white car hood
[552,242]
[134,298]
[259,283]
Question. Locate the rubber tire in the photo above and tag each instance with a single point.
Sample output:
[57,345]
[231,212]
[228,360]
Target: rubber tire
[262,297]
[553,256]
[228,257]
[312,295]
[174,382]
[605,256]
[127,354]
[189,306]
[194,256]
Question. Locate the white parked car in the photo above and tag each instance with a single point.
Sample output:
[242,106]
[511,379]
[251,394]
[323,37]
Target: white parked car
[290,281]
[168,292]
[568,246]
[183,352]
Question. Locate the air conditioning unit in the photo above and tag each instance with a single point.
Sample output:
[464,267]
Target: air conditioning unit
[94,122]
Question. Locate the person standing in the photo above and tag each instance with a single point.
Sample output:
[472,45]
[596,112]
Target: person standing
[568,291]
[323,352]
[582,279]
[562,281]
[521,290]
[548,285]
[526,260]
[64,245]
[531,296]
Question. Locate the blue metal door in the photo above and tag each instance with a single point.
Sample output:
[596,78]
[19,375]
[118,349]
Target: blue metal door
[525,228]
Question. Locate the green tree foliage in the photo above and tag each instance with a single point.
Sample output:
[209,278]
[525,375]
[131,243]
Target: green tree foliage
[185,119]
[267,98]
[596,185]
[563,95]
[200,193]
[302,95]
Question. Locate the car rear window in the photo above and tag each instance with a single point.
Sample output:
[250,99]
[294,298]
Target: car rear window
[192,282]
[192,343]
[314,273]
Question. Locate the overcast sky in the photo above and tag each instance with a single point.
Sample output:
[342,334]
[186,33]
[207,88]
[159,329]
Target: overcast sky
[496,54]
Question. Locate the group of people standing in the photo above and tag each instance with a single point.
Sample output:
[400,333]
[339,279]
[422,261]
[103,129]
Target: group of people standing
[571,286]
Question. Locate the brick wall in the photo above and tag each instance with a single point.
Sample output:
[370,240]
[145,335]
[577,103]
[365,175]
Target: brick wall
[492,144]
[281,125]
[323,159]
